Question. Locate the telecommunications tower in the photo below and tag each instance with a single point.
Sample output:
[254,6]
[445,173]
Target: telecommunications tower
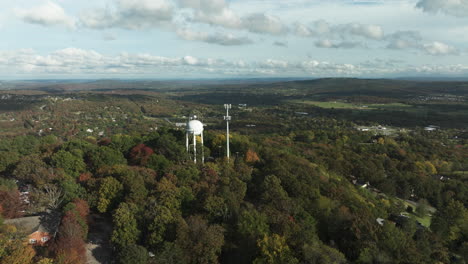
[227,118]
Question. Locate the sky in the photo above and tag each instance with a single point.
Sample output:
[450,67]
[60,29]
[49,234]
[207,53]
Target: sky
[174,39]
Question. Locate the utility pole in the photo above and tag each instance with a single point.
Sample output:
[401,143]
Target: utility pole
[227,118]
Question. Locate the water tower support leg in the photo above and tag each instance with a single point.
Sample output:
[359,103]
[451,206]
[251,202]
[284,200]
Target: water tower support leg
[203,149]
[194,148]
[186,141]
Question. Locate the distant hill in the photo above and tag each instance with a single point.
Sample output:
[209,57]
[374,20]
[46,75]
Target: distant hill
[316,88]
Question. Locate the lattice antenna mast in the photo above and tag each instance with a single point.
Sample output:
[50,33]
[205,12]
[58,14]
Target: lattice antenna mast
[227,118]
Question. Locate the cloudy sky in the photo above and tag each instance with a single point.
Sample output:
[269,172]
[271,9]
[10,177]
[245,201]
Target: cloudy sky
[232,38]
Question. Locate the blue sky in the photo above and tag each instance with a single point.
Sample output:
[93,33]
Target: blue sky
[232,38]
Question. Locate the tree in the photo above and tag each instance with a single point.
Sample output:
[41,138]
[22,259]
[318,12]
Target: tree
[450,222]
[125,231]
[49,196]
[159,163]
[200,241]
[19,254]
[8,159]
[72,165]
[139,155]
[253,224]
[133,254]
[322,254]
[46,261]
[11,203]
[13,250]
[274,250]
[251,156]
[105,156]
[421,209]
[109,190]
[69,247]
[33,170]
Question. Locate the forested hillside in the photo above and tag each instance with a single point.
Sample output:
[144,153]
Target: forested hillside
[308,181]
[282,199]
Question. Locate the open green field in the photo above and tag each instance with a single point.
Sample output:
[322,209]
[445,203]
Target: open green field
[425,220]
[345,105]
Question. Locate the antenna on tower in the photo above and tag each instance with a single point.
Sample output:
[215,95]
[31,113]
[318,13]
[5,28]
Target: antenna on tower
[227,118]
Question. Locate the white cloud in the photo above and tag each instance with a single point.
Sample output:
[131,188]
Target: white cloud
[326,43]
[130,14]
[226,18]
[108,36]
[206,6]
[218,13]
[79,62]
[283,44]
[343,31]
[366,31]
[302,30]
[264,24]
[438,48]
[404,40]
[47,14]
[216,38]
[458,8]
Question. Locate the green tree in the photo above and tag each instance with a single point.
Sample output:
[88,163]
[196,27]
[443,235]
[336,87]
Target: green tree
[317,253]
[33,170]
[159,163]
[125,231]
[421,209]
[274,250]
[71,164]
[7,159]
[253,224]
[200,241]
[451,222]
[133,254]
[109,190]
[105,156]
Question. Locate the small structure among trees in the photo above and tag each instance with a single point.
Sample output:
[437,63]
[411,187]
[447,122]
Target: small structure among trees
[39,233]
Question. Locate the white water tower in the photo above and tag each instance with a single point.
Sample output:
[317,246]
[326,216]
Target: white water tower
[194,129]
[227,117]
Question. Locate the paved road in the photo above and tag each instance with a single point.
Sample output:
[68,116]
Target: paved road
[98,248]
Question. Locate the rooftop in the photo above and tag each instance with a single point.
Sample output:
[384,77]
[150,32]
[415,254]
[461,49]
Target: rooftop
[32,224]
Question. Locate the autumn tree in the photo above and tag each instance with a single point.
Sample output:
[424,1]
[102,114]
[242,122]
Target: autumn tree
[13,250]
[251,156]
[139,155]
[11,203]
[69,246]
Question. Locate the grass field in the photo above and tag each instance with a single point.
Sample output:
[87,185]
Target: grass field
[425,220]
[344,105]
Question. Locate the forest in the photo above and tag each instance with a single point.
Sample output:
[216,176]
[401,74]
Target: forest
[304,184]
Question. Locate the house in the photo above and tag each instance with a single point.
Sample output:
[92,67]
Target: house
[380,221]
[38,232]
[361,184]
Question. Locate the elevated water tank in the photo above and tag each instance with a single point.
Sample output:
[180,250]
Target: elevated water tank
[195,127]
